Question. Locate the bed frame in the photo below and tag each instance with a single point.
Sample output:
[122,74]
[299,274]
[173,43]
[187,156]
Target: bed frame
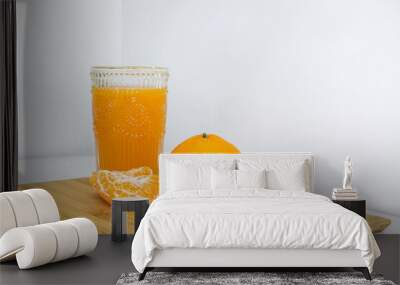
[251,259]
[236,259]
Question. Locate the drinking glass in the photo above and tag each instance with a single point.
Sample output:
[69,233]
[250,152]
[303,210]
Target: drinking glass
[129,115]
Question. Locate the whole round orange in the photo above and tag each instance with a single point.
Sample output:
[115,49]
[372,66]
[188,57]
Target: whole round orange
[205,143]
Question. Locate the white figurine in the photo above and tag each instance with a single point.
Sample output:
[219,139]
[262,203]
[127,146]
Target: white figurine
[348,173]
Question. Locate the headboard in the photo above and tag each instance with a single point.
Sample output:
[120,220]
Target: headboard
[306,156]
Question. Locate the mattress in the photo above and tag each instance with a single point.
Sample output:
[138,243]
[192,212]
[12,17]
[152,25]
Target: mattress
[250,219]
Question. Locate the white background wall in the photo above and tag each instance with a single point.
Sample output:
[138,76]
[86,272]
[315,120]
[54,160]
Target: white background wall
[58,42]
[313,75]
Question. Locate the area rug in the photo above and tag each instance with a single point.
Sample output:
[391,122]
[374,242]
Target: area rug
[269,278]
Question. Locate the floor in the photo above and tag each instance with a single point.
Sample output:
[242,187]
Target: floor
[111,259]
[103,266]
[389,262]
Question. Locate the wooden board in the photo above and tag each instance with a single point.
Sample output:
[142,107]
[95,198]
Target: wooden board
[75,198]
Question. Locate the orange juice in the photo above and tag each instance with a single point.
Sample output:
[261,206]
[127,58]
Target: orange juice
[129,126]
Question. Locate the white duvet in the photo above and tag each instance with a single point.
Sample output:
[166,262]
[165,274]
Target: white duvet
[250,219]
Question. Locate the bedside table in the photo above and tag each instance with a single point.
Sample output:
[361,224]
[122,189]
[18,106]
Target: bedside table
[357,206]
[120,206]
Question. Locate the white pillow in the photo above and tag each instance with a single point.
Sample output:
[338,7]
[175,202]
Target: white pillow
[282,174]
[186,177]
[290,179]
[236,179]
[190,174]
[251,178]
[223,179]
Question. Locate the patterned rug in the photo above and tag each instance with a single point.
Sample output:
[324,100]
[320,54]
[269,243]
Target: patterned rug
[269,278]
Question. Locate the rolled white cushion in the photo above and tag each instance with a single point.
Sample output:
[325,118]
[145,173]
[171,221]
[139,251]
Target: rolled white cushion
[41,244]
[7,218]
[33,246]
[46,207]
[26,208]
[87,234]
[23,208]
[67,240]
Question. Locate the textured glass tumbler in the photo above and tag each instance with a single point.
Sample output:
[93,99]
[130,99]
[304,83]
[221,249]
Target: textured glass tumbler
[129,116]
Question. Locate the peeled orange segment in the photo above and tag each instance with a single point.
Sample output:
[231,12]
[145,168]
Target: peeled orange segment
[117,184]
[140,171]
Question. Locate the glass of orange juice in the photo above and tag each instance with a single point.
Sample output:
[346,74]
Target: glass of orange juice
[129,116]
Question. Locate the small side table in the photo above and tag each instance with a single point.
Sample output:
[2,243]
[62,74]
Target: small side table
[120,206]
[357,206]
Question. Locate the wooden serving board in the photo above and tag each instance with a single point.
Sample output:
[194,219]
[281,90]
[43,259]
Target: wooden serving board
[76,198]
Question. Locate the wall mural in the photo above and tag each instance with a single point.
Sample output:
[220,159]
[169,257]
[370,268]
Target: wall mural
[129,117]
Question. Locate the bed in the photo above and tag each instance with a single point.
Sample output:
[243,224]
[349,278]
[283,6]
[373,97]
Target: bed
[244,211]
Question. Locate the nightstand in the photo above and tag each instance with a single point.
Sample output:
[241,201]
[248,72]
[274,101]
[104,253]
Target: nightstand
[357,206]
[120,206]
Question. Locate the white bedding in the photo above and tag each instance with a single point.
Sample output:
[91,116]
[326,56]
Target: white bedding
[251,218]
